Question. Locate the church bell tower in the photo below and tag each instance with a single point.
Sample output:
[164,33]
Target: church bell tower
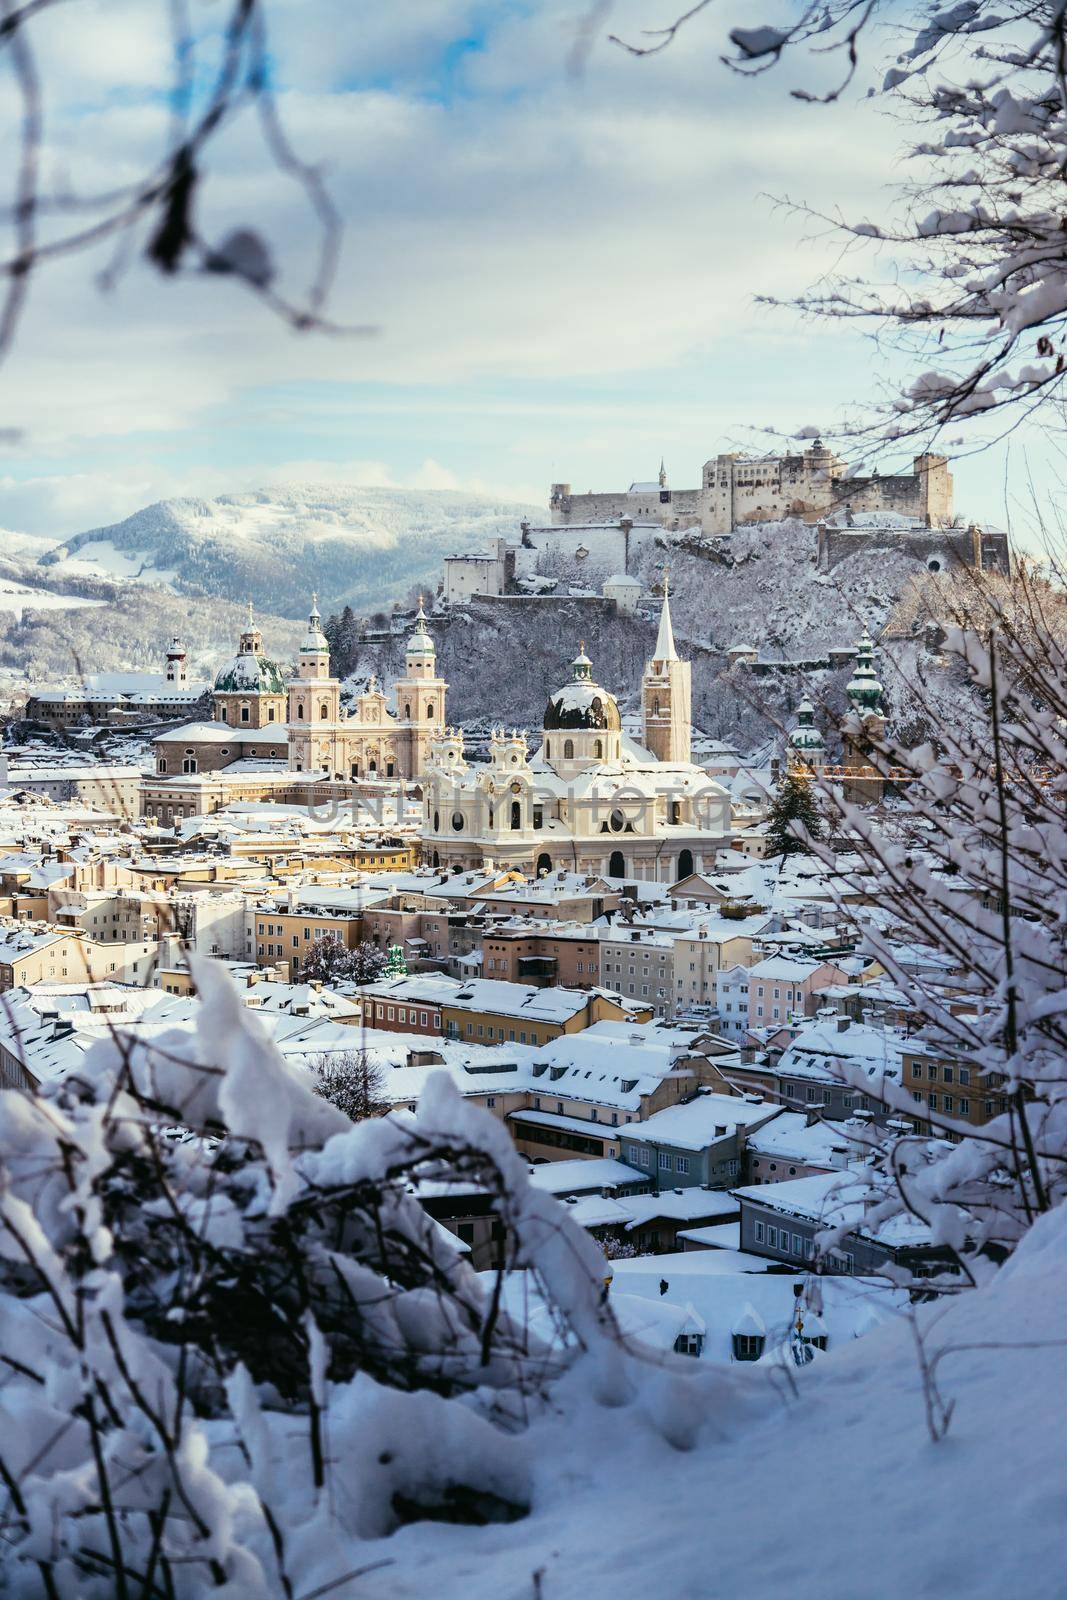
[420,700]
[666,695]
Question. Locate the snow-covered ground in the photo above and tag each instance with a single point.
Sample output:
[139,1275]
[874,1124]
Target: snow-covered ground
[101,558]
[770,1483]
[20,597]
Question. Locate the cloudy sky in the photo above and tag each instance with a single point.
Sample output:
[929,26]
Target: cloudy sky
[561,268]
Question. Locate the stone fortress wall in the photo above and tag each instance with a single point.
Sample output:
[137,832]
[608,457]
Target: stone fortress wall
[737,488]
[940,549]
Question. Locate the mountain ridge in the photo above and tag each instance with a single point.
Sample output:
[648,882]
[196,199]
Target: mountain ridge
[361,546]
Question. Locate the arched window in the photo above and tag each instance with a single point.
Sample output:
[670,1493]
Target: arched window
[655,705]
[189,761]
[429,708]
[685,863]
[568,749]
[598,749]
[516,814]
[300,710]
[676,811]
[436,858]
[544,863]
[437,822]
[161,764]
[491,816]
[457,821]
[324,712]
[616,865]
[407,710]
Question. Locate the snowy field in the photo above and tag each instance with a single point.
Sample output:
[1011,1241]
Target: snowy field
[18,598]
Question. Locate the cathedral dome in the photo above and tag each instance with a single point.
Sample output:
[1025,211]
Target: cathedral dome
[582,703]
[249,673]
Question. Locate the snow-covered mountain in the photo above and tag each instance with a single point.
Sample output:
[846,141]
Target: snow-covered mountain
[363,547]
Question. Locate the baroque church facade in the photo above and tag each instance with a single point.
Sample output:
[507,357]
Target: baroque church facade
[370,741]
[588,799]
[270,734]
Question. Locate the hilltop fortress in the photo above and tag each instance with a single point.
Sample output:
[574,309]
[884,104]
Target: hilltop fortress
[737,488]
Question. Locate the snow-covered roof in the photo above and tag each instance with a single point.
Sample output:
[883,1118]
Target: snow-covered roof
[840,1200]
[222,733]
[695,1124]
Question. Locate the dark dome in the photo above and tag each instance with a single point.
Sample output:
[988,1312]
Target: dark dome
[582,705]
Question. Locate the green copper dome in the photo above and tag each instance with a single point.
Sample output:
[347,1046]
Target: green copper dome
[249,673]
[864,691]
[806,736]
[582,703]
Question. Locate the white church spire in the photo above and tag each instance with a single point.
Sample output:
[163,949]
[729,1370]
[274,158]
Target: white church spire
[665,650]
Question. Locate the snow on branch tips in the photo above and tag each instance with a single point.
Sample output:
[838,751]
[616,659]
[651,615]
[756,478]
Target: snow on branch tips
[235,1343]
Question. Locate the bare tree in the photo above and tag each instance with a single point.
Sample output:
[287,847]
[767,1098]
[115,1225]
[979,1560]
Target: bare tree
[353,1081]
[969,887]
[156,213]
[977,249]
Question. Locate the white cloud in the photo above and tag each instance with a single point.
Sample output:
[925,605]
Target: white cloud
[521,228]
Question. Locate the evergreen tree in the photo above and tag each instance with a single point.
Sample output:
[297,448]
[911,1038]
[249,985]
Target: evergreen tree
[793,804]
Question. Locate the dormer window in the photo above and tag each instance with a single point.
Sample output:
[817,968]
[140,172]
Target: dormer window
[748,1346]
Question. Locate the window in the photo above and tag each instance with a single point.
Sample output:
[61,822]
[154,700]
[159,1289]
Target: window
[759,1232]
[246,714]
[490,1101]
[965,1075]
[644,1158]
[681,1164]
[568,749]
[798,1245]
[772,1236]
[664,1161]
[748,1346]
